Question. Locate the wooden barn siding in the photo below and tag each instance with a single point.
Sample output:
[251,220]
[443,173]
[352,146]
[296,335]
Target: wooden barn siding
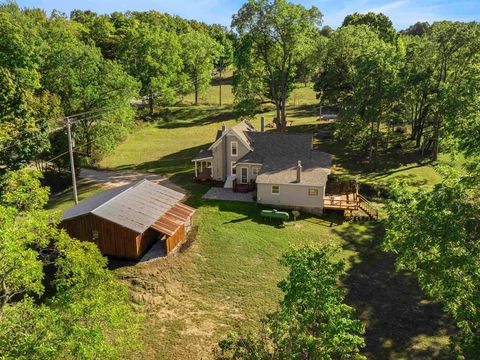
[175,239]
[118,241]
[79,228]
[113,239]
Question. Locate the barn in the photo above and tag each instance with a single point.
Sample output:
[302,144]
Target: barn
[126,221]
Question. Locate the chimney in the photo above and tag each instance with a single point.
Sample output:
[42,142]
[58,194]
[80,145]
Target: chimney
[223,128]
[299,171]
[262,124]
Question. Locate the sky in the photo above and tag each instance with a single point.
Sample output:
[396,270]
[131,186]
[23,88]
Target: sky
[402,12]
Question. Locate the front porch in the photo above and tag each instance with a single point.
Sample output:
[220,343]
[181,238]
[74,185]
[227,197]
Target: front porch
[203,169]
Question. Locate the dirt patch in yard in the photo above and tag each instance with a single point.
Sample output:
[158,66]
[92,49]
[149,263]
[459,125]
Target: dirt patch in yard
[176,312]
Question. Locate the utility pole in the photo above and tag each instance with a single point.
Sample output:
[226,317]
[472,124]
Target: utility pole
[72,165]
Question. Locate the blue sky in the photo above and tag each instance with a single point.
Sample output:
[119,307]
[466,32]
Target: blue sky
[402,12]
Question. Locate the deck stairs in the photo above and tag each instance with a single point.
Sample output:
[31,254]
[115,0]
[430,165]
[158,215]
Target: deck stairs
[367,207]
[229,182]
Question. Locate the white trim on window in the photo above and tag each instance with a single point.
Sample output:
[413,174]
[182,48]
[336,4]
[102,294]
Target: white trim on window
[232,168]
[241,175]
[276,191]
[236,148]
[312,192]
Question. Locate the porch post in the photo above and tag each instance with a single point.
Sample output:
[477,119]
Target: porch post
[196,171]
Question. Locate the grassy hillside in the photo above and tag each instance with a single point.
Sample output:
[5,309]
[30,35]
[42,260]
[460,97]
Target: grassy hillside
[225,278]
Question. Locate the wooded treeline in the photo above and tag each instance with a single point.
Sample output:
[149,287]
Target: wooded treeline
[94,69]
[57,297]
[419,79]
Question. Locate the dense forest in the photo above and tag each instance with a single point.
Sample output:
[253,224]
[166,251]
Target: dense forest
[105,74]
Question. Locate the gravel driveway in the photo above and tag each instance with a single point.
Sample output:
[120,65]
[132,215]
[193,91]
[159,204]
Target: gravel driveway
[118,178]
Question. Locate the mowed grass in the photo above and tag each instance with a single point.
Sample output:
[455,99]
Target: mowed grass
[225,279]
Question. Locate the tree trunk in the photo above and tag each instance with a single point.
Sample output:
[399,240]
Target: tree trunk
[278,121]
[370,146]
[196,93]
[150,102]
[436,137]
[377,140]
[220,89]
[283,117]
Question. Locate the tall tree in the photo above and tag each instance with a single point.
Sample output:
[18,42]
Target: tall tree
[99,29]
[379,23]
[361,75]
[440,66]
[272,39]
[152,55]
[312,321]
[57,299]
[436,235]
[200,54]
[87,82]
[225,58]
[26,110]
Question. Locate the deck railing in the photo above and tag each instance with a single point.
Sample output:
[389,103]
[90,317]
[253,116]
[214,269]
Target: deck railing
[340,203]
[367,207]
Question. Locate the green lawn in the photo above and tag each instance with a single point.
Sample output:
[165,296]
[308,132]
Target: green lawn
[226,278]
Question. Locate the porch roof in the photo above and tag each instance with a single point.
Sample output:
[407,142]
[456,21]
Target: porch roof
[203,155]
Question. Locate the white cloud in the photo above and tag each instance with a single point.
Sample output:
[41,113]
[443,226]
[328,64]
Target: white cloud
[389,6]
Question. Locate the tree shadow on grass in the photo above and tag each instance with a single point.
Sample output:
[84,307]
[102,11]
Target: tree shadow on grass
[300,111]
[188,116]
[389,302]
[252,212]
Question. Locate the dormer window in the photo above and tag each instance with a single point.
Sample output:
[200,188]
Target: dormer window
[234,148]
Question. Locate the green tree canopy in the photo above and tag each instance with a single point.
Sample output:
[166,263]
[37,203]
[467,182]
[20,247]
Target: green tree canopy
[436,236]
[57,299]
[200,53]
[272,39]
[379,23]
[26,110]
[440,89]
[86,82]
[312,321]
[362,76]
[151,54]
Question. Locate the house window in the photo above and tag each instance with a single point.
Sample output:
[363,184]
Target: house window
[312,192]
[95,235]
[234,148]
[255,171]
[244,177]
[275,189]
[233,168]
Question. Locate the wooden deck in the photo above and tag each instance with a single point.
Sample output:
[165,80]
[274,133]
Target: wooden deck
[341,202]
[350,202]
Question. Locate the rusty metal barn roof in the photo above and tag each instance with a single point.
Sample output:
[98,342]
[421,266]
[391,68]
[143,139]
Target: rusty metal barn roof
[173,219]
[135,207]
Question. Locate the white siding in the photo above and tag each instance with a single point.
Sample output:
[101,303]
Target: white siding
[290,196]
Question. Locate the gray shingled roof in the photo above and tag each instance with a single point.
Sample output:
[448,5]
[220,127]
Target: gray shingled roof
[268,145]
[203,154]
[283,169]
[135,207]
